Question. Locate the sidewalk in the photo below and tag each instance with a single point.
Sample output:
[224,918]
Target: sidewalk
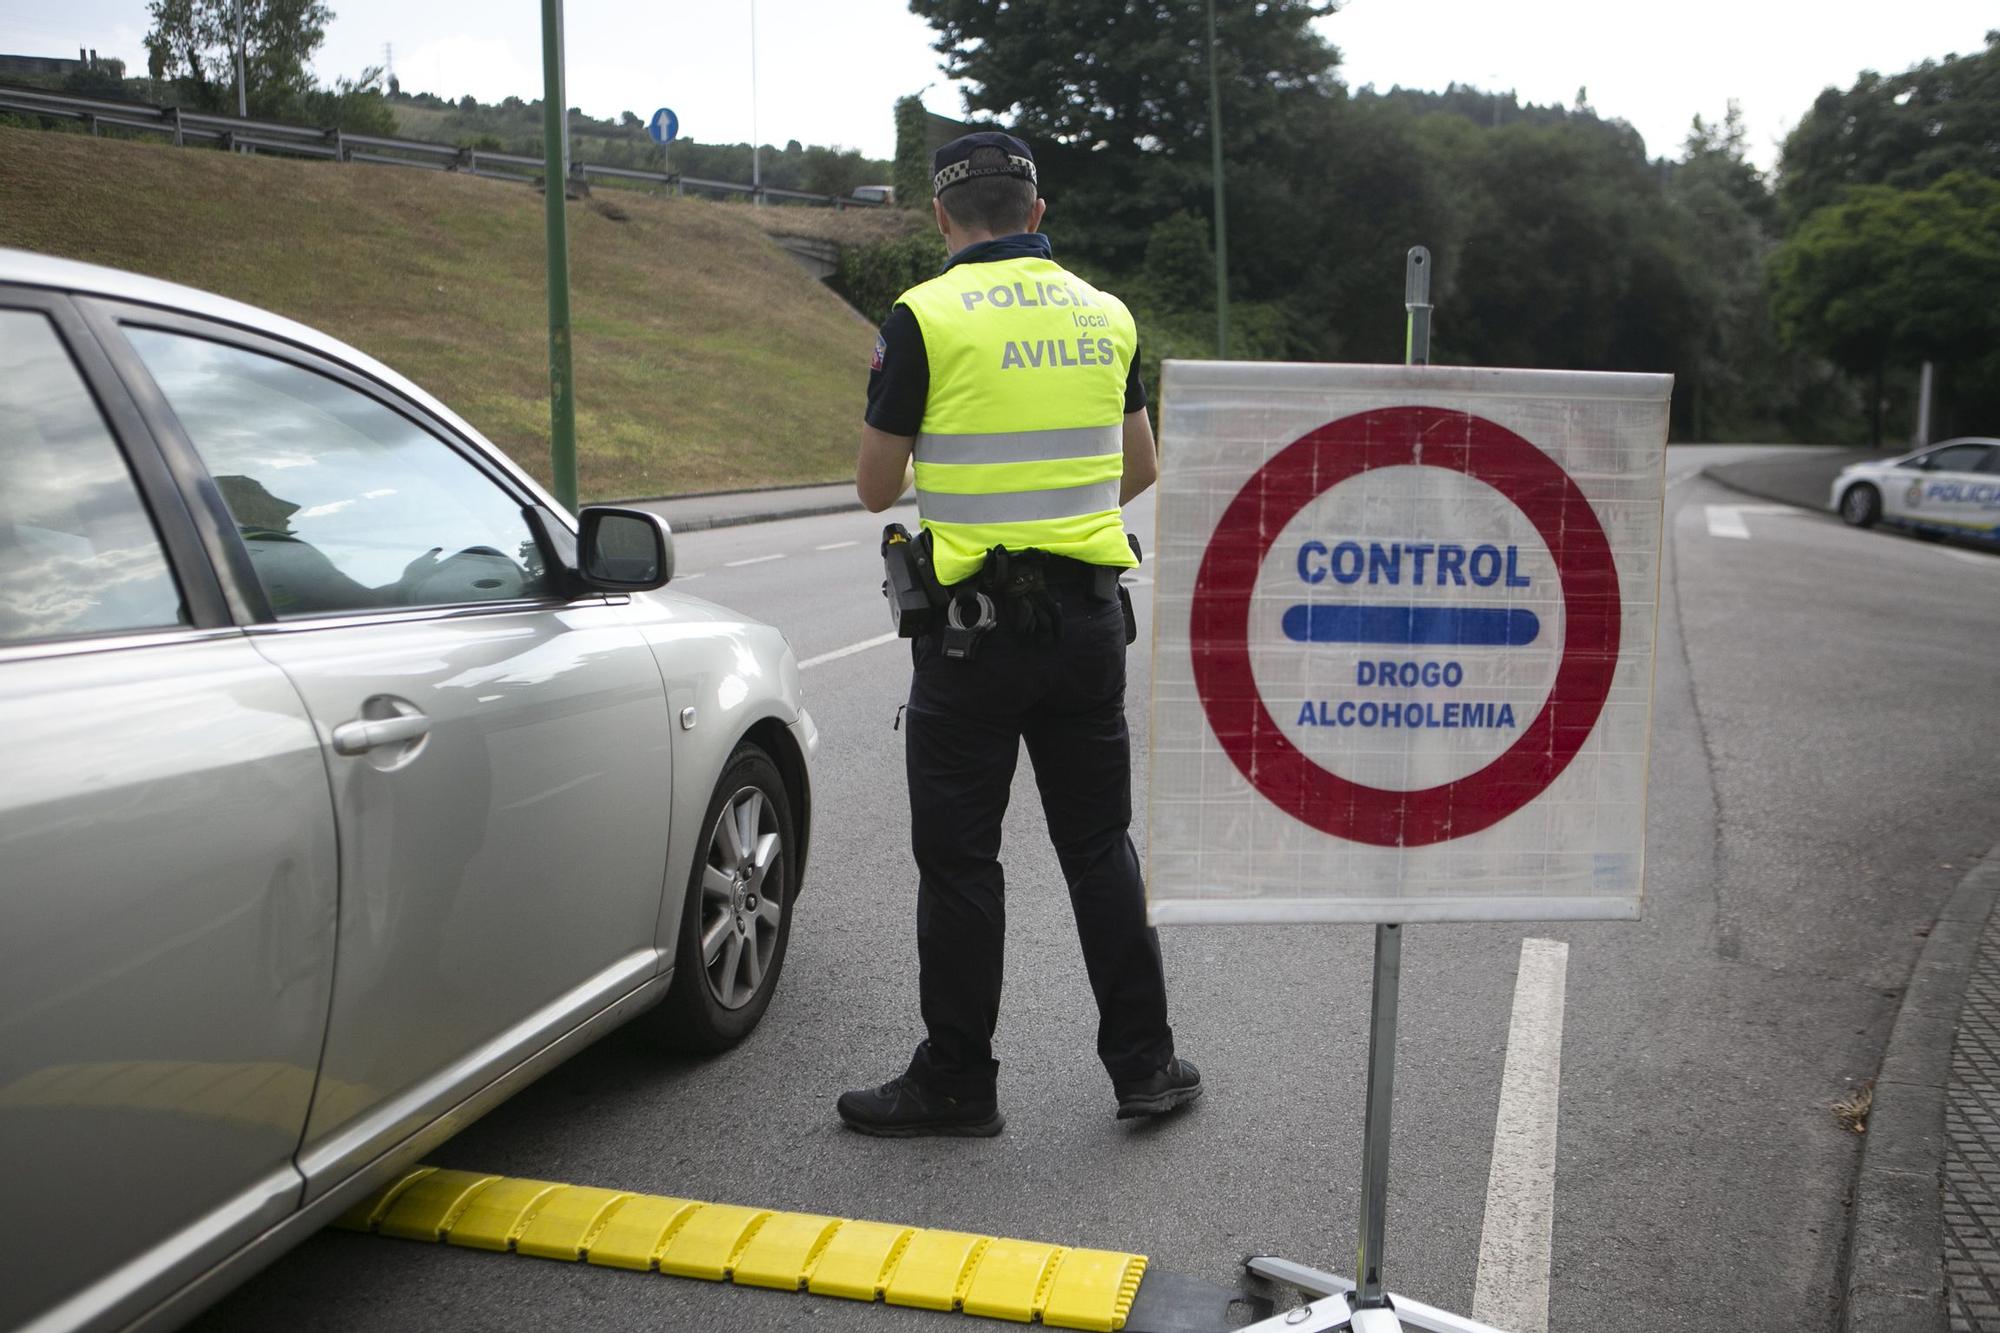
[1972,1140]
[727,509]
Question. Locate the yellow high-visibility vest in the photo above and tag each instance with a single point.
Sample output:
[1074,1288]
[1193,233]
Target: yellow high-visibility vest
[1022,441]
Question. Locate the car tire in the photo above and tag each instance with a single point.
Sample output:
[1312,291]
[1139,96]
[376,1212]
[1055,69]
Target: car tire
[1861,505]
[737,917]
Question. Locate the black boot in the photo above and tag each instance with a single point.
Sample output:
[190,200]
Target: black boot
[1177,1084]
[903,1108]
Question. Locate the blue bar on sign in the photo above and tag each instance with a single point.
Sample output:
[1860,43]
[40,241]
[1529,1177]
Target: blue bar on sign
[1459,625]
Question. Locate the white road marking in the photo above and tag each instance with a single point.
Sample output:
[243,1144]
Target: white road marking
[1727,520]
[850,650]
[1516,1240]
[835,546]
[683,578]
[753,560]
[1724,521]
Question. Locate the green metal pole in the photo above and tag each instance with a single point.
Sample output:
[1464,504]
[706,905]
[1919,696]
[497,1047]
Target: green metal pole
[555,154]
[1221,219]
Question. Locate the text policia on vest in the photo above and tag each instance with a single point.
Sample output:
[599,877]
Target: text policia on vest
[1049,352]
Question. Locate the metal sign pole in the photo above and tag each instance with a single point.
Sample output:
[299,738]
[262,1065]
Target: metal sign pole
[1382,1011]
[1366,1306]
[1368,1294]
[1417,301]
[555,179]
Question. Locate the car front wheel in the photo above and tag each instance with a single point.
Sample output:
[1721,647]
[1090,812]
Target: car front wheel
[738,913]
[1862,505]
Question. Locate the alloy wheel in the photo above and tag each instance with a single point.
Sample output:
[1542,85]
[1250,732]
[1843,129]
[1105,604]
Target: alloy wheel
[742,898]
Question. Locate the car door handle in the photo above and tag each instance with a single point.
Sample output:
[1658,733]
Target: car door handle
[364,734]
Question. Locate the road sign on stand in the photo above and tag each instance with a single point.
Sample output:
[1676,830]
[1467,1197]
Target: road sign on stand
[1404,661]
[664,127]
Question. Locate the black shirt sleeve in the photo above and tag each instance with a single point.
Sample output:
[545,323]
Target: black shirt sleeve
[899,378]
[1135,388]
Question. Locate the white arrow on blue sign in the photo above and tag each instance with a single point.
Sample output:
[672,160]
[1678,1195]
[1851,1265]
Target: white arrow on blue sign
[664,126]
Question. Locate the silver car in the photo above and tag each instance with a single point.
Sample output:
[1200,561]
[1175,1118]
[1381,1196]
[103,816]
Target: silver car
[348,784]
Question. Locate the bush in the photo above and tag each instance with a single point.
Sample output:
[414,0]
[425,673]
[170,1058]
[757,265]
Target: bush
[871,277]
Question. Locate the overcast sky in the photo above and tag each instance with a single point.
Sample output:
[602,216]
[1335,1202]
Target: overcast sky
[827,71]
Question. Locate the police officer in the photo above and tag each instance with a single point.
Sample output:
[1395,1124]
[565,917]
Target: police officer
[1013,385]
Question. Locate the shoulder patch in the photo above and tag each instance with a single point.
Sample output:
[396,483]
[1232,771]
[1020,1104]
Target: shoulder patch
[881,350]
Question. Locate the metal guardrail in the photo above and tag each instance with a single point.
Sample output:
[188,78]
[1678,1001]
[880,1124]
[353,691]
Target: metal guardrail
[266,136]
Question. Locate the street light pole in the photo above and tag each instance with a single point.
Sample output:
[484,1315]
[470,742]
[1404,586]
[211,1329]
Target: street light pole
[555,177]
[756,144]
[1221,219]
[242,94]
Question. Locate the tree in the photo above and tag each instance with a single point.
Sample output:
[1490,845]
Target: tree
[1570,260]
[1113,96]
[1893,277]
[1731,386]
[1907,130]
[356,105]
[193,42]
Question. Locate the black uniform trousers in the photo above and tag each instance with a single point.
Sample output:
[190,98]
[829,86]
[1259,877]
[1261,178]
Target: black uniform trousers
[965,724]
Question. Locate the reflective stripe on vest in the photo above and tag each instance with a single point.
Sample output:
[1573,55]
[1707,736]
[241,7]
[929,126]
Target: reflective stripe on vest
[1018,506]
[1022,440]
[1021,446]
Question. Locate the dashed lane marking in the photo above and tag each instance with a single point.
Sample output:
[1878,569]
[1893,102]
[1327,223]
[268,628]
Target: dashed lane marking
[1061,1286]
[850,650]
[836,546]
[753,560]
[1516,1240]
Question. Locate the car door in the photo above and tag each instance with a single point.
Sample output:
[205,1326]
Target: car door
[1946,496]
[168,870]
[499,752]
[1986,515]
[1959,494]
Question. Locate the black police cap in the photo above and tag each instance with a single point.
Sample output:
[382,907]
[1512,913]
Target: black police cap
[951,165]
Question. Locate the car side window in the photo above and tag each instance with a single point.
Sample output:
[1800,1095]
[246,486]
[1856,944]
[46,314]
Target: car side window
[1956,458]
[78,550]
[343,504]
[1991,463]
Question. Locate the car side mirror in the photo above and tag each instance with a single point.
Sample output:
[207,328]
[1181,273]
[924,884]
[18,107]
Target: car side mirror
[623,550]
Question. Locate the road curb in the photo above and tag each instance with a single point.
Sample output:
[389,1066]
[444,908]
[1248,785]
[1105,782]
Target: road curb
[702,523]
[704,510]
[1715,472]
[1895,1237]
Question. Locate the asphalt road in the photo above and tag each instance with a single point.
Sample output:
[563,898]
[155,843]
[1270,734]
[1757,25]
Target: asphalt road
[1821,775]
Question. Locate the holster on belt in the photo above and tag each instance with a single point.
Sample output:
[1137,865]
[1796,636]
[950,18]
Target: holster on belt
[910,582]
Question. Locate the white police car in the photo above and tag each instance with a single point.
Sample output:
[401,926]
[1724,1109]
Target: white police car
[1951,488]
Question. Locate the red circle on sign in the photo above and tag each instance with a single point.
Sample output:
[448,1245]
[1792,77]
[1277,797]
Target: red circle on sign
[1220,627]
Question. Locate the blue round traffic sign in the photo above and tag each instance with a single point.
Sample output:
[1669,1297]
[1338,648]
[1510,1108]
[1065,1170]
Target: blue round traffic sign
[664,126]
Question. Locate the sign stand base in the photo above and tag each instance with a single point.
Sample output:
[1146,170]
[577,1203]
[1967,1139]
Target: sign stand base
[1332,1305]
[1335,1302]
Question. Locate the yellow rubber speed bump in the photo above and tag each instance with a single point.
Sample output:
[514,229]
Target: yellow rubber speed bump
[781,1251]
[829,1256]
[857,1262]
[637,1231]
[567,1222]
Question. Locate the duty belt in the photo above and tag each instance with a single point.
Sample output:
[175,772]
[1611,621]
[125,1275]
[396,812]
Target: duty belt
[1011,586]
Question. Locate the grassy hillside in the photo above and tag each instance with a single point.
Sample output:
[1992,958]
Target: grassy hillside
[705,357]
